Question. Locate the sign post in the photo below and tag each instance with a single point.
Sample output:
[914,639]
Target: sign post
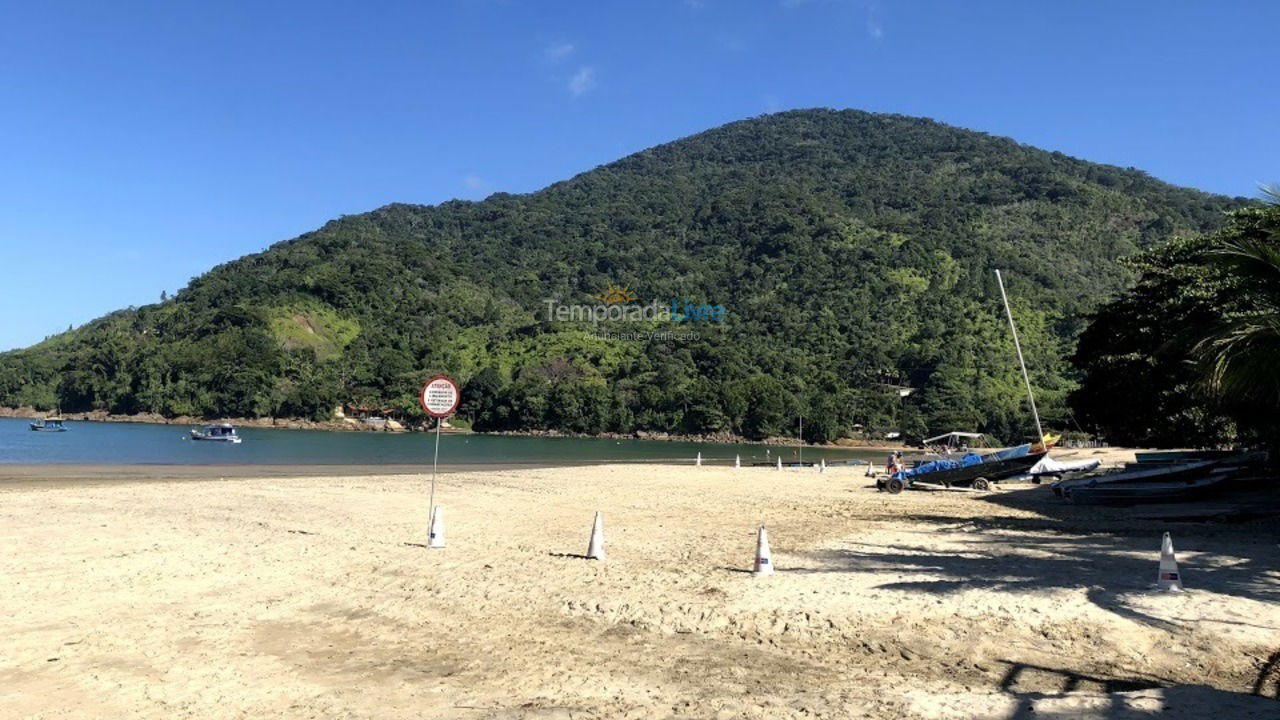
[440,397]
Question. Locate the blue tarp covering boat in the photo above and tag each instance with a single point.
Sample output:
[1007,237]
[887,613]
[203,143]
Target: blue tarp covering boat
[972,469]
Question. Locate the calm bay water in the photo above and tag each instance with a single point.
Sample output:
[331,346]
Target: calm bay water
[92,443]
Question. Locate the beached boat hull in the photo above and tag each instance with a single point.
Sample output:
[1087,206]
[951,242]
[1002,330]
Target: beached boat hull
[1155,482]
[1145,492]
[1182,456]
[1138,475]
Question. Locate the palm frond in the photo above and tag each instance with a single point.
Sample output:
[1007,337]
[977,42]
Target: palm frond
[1241,358]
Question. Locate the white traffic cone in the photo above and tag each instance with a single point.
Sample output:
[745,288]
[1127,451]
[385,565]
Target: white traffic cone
[871,469]
[822,466]
[779,462]
[737,461]
[1168,578]
[595,549]
[435,531]
[764,559]
[698,462]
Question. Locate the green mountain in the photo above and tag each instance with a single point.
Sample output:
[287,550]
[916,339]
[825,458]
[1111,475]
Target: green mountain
[850,253]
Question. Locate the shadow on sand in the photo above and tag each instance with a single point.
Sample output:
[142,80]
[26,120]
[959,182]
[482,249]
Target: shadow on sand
[1067,694]
[1064,546]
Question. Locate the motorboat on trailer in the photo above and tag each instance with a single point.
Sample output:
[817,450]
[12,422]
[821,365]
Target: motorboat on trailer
[216,433]
[49,424]
[975,471]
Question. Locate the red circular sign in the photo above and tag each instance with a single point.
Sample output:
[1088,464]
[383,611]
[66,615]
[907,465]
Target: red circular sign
[440,397]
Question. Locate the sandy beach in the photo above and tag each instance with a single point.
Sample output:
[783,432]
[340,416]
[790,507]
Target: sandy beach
[314,597]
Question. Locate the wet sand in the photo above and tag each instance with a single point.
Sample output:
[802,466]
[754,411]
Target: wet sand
[313,596]
[51,474]
[58,475]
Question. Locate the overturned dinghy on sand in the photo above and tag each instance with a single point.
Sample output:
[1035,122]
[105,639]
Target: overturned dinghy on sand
[1050,468]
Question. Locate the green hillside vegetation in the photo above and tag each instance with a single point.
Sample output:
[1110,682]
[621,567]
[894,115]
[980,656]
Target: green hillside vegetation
[311,326]
[852,251]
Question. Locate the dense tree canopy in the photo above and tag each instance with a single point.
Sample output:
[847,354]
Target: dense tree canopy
[1189,355]
[853,253]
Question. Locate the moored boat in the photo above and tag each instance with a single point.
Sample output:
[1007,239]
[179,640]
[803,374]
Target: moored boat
[49,424]
[216,433]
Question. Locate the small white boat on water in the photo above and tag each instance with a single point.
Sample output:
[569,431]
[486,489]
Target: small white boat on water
[216,433]
[49,424]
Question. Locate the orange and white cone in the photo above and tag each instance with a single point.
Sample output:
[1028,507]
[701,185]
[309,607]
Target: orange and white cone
[1169,578]
[595,549]
[737,461]
[779,462]
[764,559]
[435,530]
[698,461]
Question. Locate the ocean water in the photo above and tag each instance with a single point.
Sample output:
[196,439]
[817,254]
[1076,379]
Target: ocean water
[92,443]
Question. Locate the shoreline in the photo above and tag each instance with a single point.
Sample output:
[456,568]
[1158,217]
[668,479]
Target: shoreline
[59,475]
[28,413]
[52,475]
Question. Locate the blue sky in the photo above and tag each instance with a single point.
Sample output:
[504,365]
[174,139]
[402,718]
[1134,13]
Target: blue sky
[143,143]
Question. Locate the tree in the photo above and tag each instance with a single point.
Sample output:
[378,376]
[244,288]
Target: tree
[767,403]
[1240,354]
[481,399]
[1187,356]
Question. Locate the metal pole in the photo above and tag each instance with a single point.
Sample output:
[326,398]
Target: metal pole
[801,441]
[1018,346]
[434,462]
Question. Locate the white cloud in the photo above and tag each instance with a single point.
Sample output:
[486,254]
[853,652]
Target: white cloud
[474,182]
[730,43]
[582,81]
[874,28]
[557,52]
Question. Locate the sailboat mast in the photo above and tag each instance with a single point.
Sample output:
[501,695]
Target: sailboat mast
[1023,363]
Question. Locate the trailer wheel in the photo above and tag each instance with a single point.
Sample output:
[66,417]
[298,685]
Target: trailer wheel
[894,486]
[981,484]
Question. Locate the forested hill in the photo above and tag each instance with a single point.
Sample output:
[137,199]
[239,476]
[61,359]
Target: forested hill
[851,253]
